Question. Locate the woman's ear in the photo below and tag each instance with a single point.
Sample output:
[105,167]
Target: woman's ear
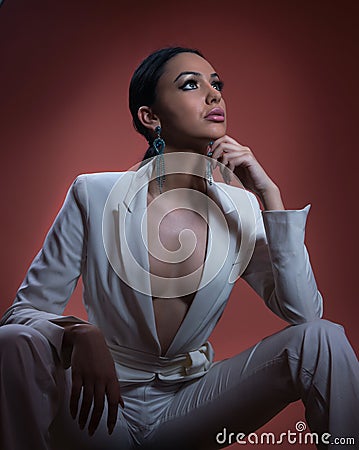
[147,117]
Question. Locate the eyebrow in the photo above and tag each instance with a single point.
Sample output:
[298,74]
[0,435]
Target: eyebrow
[213,75]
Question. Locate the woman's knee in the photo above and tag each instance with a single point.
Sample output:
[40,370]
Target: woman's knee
[23,342]
[14,334]
[312,337]
[319,327]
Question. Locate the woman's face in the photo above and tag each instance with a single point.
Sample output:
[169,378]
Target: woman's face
[189,103]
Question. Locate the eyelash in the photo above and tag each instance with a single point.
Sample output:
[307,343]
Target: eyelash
[216,84]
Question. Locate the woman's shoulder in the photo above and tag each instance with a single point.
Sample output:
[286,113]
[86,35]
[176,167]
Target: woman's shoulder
[98,180]
[95,187]
[99,177]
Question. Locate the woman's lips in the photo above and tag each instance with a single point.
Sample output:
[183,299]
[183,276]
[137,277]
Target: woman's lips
[215,115]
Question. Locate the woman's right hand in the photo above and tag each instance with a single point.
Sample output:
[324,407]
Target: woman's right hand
[93,372]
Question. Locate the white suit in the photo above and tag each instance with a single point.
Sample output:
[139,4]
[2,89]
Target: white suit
[279,270]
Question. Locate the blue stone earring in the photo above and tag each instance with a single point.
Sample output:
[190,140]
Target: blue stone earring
[209,175]
[159,146]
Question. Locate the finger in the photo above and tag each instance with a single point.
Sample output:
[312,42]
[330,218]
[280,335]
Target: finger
[99,401]
[75,394]
[209,149]
[113,399]
[227,172]
[231,166]
[224,139]
[222,164]
[87,397]
[219,140]
[212,162]
[224,158]
[230,140]
[216,152]
[226,147]
[227,142]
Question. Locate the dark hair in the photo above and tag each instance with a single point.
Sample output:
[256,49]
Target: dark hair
[143,85]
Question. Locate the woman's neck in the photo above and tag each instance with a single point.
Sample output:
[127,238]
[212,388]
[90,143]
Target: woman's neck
[182,170]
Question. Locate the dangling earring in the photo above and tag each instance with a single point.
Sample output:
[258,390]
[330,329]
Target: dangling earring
[159,146]
[209,175]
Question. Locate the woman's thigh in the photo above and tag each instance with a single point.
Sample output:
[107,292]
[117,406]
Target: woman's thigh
[223,399]
[241,393]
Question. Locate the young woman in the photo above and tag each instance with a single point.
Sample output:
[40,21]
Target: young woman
[159,250]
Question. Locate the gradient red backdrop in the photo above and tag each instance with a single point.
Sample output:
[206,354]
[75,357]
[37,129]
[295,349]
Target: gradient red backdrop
[291,86]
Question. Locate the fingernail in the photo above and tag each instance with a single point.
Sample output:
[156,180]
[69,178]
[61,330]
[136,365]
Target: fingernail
[209,147]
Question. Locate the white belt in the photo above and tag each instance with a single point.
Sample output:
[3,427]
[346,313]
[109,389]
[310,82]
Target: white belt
[192,364]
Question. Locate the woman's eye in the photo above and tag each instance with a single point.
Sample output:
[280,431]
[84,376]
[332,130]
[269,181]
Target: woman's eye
[189,85]
[218,85]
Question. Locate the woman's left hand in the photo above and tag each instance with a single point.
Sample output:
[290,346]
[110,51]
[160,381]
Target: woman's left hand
[241,161]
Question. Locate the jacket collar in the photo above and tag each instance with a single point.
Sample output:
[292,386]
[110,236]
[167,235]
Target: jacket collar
[136,197]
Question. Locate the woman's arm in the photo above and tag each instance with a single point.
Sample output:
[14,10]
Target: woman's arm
[271,199]
[42,297]
[54,272]
[279,270]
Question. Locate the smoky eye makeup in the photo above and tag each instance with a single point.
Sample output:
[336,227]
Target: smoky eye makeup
[186,85]
[219,85]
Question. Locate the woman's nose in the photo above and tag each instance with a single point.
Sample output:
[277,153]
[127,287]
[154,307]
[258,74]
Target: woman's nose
[213,95]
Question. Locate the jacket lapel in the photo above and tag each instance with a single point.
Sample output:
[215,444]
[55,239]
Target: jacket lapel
[224,250]
[133,262]
[231,233]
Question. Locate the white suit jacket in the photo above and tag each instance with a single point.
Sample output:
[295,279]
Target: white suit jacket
[279,270]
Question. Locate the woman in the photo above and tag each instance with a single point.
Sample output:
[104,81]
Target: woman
[142,366]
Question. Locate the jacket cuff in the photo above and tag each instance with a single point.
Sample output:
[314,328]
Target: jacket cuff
[285,226]
[54,332]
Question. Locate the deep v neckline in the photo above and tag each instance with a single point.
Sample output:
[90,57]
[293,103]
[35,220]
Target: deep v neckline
[199,286]
[131,228]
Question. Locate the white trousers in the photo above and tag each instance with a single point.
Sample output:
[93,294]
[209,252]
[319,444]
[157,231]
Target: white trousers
[313,362]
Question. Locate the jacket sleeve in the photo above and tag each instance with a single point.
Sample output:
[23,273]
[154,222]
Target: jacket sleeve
[54,272]
[280,270]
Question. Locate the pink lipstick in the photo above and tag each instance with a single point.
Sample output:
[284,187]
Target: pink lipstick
[215,115]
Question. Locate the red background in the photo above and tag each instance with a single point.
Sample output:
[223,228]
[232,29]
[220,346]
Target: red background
[291,86]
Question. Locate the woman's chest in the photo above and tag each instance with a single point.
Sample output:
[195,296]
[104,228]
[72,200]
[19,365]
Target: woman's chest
[177,243]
